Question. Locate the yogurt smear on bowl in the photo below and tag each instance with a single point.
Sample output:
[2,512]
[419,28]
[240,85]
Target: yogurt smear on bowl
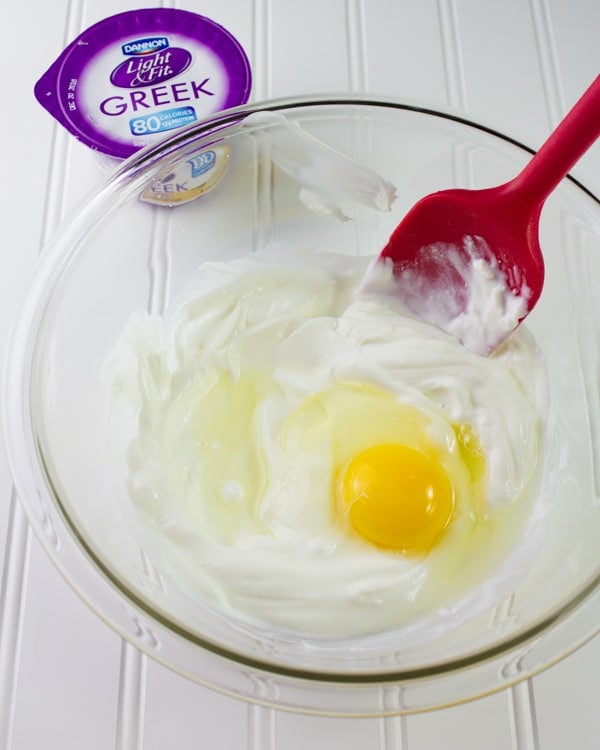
[255,405]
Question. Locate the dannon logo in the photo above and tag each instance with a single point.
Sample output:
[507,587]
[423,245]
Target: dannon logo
[149,69]
[145,46]
[201,163]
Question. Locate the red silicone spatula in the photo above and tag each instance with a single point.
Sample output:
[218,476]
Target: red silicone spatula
[426,244]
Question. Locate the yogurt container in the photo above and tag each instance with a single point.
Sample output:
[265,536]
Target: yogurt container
[132,78]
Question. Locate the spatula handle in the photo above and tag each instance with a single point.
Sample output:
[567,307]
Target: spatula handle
[565,146]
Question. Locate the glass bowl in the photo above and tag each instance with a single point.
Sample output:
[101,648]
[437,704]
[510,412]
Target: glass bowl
[120,253]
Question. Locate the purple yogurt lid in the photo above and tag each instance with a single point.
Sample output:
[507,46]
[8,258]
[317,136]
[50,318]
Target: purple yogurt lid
[130,79]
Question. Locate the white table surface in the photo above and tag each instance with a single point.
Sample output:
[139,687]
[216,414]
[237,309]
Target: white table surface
[66,680]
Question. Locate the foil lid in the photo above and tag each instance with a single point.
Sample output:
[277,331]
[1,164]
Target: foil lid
[131,78]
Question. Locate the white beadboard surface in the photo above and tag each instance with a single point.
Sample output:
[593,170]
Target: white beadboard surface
[67,682]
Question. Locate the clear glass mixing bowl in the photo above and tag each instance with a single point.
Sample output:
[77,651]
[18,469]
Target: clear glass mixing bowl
[119,254]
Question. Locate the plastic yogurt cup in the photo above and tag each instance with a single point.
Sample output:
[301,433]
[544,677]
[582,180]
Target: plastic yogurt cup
[133,77]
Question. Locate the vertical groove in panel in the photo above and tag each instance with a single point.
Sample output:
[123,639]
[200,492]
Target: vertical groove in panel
[392,729]
[130,710]
[53,204]
[454,69]
[159,259]
[159,262]
[358,81]
[261,68]
[261,720]
[356,46]
[132,668]
[132,672]
[522,718]
[12,602]
[462,165]
[263,186]
[263,192]
[59,146]
[14,578]
[574,236]
[362,136]
[548,60]
[261,728]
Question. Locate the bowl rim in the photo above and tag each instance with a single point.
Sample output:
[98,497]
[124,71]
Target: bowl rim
[31,478]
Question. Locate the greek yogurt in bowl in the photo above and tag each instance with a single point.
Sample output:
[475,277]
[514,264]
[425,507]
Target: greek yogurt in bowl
[248,403]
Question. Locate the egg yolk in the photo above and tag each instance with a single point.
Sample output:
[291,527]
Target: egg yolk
[397,497]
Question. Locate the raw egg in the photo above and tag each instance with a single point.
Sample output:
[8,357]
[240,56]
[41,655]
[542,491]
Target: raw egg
[353,456]
[397,473]
[397,497]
